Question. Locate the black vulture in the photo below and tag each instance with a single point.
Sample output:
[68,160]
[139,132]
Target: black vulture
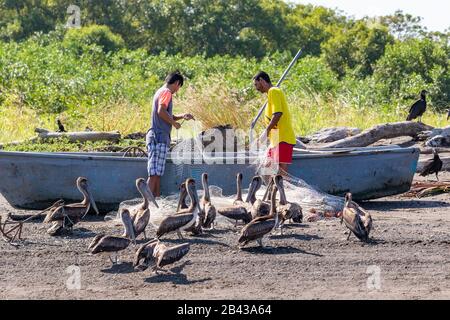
[433,166]
[60,126]
[418,108]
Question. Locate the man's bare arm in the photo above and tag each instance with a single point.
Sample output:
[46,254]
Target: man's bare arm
[275,119]
[162,112]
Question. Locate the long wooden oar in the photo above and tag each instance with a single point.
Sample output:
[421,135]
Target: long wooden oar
[261,110]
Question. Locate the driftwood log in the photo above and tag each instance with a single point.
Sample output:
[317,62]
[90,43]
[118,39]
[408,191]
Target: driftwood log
[333,134]
[384,131]
[427,150]
[81,136]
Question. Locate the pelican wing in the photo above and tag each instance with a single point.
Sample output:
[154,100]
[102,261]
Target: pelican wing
[354,222]
[55,214]
[141,222]
[285,212]
[235,213]
[296,210]
[110,244]
[260,208]
[74,211]
[173,254]
[144,252]
[173,223]
[210,215]
[96,239]
[256,230]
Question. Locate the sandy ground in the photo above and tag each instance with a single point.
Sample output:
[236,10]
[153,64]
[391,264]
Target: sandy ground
[408,258]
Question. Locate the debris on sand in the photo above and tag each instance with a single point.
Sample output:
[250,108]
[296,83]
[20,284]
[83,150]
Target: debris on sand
[427,189]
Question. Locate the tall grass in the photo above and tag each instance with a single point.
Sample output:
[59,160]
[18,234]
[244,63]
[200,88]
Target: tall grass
[212,105]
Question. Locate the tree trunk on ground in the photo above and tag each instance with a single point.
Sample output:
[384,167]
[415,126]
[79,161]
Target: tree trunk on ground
[427,150]
[333,134]
[384,131]
[82,136]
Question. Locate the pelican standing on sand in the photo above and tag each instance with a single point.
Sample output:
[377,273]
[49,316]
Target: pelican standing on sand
[66,216]
[238,201]
[182,200]
[286,210]
[184,219]
[104,243]
[242,211]
[158,255]
[259,207]
[208,209]
[140,214]
[356,219]
[259,227]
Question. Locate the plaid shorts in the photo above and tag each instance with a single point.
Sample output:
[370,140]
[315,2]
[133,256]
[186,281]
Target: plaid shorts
[157,153]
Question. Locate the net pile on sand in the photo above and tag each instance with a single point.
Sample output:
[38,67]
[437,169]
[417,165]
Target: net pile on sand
[311,199]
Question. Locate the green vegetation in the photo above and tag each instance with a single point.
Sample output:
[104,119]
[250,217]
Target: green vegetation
[104,74]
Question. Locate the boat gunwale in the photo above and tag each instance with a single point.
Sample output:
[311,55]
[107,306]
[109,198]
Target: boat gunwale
[308,154]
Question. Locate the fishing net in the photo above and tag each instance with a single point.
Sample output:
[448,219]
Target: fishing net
[311,199]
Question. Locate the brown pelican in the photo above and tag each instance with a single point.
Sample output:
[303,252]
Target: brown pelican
[259,207]
[182,200]
[196,228]
[242,211]
[140,214]
[158,255]
[433,166]
[68,215]
[104,243]
[208,209]
[259,227]
[147,196]
[184,219]
[238,201]
[356,219]
[286,210]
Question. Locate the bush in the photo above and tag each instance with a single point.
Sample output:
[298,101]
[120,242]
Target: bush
[80,39]
[415,64]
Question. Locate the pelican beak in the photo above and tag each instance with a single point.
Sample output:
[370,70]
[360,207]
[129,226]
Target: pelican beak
[183,194]
[247,199]
[150,196]
[92,202]
[195,195]
[251,191]
[133,236]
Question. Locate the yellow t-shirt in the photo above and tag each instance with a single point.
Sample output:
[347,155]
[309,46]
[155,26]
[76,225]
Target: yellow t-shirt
[283,131]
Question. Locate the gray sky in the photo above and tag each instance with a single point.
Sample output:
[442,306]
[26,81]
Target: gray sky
[435,13]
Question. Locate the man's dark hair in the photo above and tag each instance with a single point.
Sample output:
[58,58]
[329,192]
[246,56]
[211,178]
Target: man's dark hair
[174,77]
[262,75]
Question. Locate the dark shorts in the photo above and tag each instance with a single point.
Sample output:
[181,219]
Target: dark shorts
[281,153]
[157,154]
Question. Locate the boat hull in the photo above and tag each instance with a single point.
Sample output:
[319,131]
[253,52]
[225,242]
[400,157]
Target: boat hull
[36,180]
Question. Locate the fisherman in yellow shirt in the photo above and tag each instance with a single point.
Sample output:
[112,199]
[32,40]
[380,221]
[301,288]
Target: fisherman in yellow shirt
[279,123]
